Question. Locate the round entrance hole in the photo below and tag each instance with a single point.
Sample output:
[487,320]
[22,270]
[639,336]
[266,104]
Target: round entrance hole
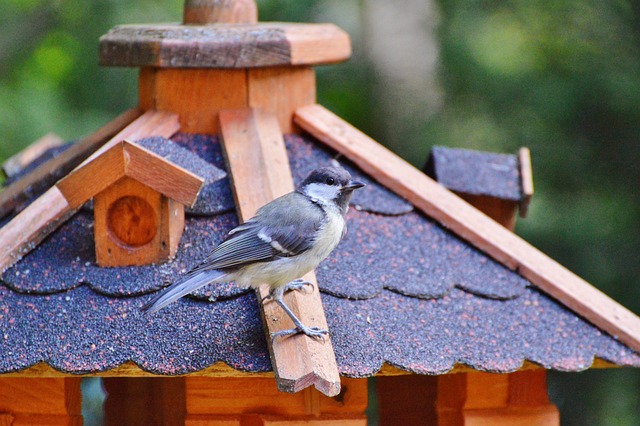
[132,221]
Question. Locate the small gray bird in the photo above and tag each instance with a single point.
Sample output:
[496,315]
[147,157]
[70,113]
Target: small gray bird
[287,238]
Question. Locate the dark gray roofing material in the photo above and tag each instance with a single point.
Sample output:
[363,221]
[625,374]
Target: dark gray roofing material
[477,173]
[215,195]
[427,300]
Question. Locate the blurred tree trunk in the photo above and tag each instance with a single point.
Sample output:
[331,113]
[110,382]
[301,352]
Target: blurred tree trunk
[400,41]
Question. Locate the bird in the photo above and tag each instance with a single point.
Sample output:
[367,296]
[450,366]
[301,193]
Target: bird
[287,238]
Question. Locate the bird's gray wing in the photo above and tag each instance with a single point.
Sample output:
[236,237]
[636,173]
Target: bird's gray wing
[268,236]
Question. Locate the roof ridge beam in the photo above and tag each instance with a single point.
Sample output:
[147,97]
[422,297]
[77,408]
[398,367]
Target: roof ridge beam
[259,169]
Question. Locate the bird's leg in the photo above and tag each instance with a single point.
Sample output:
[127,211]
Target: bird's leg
[296,285]
[314,332]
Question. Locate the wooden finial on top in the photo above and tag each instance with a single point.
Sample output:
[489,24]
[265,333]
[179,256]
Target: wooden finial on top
[201,12]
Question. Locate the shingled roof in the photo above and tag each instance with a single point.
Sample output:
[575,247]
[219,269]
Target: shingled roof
[400,289]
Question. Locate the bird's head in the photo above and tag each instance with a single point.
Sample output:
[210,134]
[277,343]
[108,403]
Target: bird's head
[330,185]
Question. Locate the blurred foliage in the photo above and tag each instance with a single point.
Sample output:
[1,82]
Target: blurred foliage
[561,77]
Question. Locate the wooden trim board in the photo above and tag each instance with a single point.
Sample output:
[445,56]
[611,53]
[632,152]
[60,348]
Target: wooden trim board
[472,225]
[259,169]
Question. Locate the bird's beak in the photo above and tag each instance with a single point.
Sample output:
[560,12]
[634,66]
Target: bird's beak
[354,184]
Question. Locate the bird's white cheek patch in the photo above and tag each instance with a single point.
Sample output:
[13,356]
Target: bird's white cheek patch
[321,192]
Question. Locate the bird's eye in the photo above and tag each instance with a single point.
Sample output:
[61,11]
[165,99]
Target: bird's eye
[330,181]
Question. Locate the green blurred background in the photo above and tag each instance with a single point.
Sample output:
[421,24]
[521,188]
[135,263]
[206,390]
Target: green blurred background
[560,77]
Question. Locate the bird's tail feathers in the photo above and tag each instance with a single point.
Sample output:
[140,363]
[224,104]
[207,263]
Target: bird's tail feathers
[182,287]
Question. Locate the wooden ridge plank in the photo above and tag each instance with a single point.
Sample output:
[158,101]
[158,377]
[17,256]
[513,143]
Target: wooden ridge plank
[223,45]
[17,162]
[50,171]
[472,225]
[23,233]
[259,169]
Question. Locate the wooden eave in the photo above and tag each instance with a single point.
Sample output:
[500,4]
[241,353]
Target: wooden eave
[128,159]
[470,224]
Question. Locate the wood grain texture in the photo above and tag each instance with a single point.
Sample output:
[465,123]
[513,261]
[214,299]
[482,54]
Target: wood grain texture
[41,401]
[472,225]
[282,90]
[220,11]
[259,169]
[125,158]
[17,162]
[503,399]
[195,95]
[526,179]
[45,175]
[115,237]
[224,46]
[225,398]
[167,178]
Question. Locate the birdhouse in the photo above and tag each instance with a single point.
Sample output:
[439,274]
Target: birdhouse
[139,200]
[430,291]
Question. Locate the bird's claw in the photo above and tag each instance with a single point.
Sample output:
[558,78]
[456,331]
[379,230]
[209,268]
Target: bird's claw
[298,285]
[295,285]
[313,332]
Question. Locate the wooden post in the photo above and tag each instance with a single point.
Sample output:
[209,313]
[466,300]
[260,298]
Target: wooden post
[212,11]
[40,401]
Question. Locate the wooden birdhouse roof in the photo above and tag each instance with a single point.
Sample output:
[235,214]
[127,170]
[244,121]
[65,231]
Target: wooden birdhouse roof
[423,282]
[128,159]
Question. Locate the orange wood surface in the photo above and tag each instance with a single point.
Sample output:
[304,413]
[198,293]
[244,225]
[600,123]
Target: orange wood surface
[472,225]
[128,159]
[222,11]
[495,399]
[160,174]
[282,90]
[127,237]
[502,211]
[318,44]
[259,169]
[46,174]
[41,401]
[17,162]
[257,399]
[196,95]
